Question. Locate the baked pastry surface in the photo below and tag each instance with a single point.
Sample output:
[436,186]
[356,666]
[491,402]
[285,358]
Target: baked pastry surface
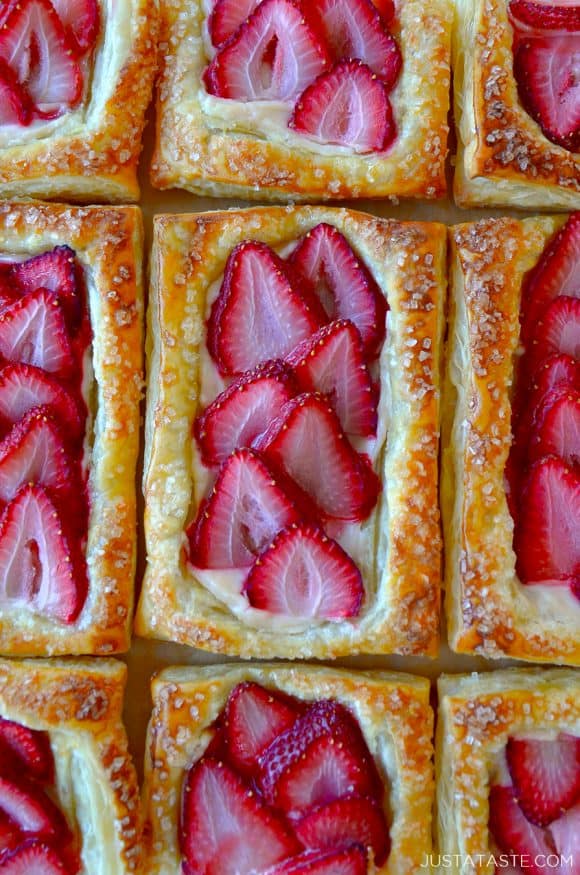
[503,157]
[108,243]
[477,713]
[401,611]
[92,152]
[489,611]
[392,710]
[79,704]
[201,148]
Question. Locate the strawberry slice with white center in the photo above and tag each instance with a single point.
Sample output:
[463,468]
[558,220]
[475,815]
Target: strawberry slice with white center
[353,820]
[272,56]
[557,427]
[227,16]
[31,809]
[56,271]
[15,106]
[10,836]
[257,301]
[347,106]
[34,44]
[308,444]
[33,332]
[514,833]
[24,387]
[547,537]
[547,70]
[29,749]
[350,861]
[38,569]
[557,332]
[305,574]
[80,19]
[254,717]
[34,858]
[326,262]
[565,832]
[557,273]
[225,828]
[545,774]
[332,362]
[245,510]
[243,411]
[354,29]
[539,15]
[386,9]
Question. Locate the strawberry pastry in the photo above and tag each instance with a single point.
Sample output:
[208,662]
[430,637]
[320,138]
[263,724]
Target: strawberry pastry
[291,419]
[276,778]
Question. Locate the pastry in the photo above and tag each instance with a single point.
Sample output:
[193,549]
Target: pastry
[214,729]
[69,802]
[508,772]
[270,105]
[70,384]
[284,432]
[75,81]
[511,490]
[516,104]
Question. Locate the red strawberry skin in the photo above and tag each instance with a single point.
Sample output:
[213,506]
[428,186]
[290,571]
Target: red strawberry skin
[546,775]
[55,270]
[34,858]
[556,333]
[545,16]
[15,106]
[33,331]
[227,16]
[25,750]
[557,427]
[25,387]
[31,809]
[351,861]
[513,832]
[352,820]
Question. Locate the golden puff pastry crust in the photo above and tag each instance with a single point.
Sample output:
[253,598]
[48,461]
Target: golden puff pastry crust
[503,156]
[489,611]
[91,153]
[108,242]
[392,710]
[402,573]
[206,144]
[476,715]
[79,704]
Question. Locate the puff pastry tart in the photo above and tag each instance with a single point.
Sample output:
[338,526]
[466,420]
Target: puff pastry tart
[288,770]
[69,802]
[508,772]
[70,383]
[290,471]
[280,100]
[517,103]
[511,492]
[75,79]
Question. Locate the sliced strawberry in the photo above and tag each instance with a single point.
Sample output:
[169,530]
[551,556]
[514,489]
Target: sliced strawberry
[31,809]
[323,719]
[227,16]
[386,10]
[513,832]
[557,273]
[346,106]
[80,19]
[308,444]
[545,774]
[558,331]
[332,362]
[33,331]
[244,511]
[24,387]
[34,858]
[225,828]
[326,262]
[304,573]
[10,836]
[254,717]
[29,747]
[554,371]
[353,820]
[547,71]
[56,271]
[15,108]
[273,55]
[257,301]
[565,832]
[546,16]
[351,861]
[243,411]
[38,567]
[557,427]
[354,29]
[34,44]
[546,539]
